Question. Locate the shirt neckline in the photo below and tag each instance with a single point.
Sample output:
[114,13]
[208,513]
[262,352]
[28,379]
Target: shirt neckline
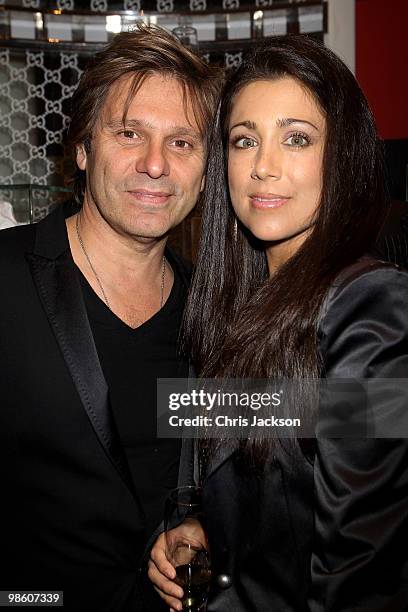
[103,315]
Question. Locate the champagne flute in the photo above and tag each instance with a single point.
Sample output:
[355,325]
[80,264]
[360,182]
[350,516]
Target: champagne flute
[187,547]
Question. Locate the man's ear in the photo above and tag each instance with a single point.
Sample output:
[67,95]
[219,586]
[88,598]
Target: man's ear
[81,156]
[202,184]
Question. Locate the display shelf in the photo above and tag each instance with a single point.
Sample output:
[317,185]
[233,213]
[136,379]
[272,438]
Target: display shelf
[45,46]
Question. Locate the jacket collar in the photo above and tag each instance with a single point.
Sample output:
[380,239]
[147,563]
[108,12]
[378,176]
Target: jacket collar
[224,451]
[58,285]
[51,238]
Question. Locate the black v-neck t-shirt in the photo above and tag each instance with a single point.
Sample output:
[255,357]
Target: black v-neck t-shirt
[132,360]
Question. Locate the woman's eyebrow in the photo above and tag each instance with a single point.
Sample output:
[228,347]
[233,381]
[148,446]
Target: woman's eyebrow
[250,125]
[281,123]
[287,121]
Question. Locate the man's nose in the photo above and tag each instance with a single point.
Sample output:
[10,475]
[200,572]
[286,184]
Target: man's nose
[153,160]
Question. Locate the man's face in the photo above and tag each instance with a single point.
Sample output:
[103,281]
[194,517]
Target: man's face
[144,177]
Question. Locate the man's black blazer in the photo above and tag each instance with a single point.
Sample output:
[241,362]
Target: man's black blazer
[69,516]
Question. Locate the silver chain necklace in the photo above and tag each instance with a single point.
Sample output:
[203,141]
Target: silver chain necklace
[98,280]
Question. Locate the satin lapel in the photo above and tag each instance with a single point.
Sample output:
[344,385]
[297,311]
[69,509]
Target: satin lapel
[224,452]
[60,293]
[187,476]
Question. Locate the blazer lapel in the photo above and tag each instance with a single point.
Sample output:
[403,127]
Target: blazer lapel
[58,285]
[224,451]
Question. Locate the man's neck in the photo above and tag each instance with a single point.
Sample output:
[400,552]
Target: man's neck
[125,272]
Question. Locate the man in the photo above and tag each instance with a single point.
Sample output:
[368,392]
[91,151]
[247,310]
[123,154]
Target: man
[89,319]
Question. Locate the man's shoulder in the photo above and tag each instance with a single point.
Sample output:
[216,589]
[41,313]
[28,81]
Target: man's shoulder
[14,240]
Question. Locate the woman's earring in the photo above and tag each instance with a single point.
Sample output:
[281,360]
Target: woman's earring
[235,230]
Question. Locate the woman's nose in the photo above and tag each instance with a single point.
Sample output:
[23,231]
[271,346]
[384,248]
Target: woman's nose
[268,163]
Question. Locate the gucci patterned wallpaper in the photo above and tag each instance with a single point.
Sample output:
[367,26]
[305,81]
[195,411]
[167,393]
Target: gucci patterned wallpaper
[45,44]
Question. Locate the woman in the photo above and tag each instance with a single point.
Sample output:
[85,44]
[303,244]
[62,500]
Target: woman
[283,287]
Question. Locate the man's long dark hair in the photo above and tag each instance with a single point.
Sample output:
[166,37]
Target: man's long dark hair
[238,321]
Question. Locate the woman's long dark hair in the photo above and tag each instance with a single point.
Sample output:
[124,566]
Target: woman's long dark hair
[238,321]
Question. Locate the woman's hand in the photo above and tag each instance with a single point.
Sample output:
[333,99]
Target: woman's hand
[161,572]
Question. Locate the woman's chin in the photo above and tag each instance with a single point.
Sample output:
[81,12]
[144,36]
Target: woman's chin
[265,234]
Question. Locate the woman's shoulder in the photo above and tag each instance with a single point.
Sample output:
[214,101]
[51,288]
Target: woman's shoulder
[367,284]
[367,268]
[363,324]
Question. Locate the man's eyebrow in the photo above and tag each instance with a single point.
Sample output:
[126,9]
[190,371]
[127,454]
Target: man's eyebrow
[179,130]
[281,123]
[114,124]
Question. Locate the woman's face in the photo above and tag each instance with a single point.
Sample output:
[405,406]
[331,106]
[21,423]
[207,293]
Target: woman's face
[276,142]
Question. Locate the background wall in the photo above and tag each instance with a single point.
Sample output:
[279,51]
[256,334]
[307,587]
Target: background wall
[37,78]
[45,45]
[381,69]
[382,62]
[340,35]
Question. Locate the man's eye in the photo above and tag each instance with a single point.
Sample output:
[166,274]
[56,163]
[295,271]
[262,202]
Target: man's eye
[298,140]
[244,142]
[129,134]
[182,144]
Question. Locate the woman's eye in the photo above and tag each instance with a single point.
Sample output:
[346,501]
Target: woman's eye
[243,142]
[298,140]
